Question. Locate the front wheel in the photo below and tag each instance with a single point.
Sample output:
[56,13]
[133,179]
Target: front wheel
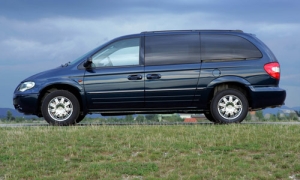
[229,106]
[80,118]
[61,108]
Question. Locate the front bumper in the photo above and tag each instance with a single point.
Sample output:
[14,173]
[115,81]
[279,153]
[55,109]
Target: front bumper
[263,97]
[26,103]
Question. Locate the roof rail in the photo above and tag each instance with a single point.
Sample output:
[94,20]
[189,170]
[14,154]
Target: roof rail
[212,30]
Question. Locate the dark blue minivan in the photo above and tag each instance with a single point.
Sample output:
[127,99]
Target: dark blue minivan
[221,73]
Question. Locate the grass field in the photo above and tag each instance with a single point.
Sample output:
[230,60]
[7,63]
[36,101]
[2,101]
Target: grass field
[151,152]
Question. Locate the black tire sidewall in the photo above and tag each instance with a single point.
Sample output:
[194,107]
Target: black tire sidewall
[80,118]
[221,94]
[209,117]
[76,109]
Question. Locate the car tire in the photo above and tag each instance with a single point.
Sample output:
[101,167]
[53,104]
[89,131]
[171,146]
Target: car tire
[60,108]
[208,116]
[80,118]
[229,106]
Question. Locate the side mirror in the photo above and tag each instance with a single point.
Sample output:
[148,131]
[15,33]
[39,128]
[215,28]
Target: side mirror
[88,63]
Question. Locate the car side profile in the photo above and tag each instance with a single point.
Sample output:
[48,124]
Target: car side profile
[221,73]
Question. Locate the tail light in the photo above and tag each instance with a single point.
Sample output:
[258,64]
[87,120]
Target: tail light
[273,69]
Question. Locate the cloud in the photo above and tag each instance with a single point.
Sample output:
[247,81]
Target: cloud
[58,40]
[38,35]
[248,11]
[55,40]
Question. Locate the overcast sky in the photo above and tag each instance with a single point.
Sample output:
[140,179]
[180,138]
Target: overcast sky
[36,35]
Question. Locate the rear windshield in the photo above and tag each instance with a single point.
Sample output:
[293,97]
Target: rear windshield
[227,47]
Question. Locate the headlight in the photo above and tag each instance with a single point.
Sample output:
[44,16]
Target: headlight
[26,85]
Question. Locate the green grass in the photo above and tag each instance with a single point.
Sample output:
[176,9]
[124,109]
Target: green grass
[151,152]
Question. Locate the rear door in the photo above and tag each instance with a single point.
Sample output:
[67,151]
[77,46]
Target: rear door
[116,80]
[172,67]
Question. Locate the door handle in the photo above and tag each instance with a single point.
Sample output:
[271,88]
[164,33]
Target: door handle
[135,77]
[153,76]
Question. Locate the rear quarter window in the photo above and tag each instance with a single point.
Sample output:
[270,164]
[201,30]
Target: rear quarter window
[227,48]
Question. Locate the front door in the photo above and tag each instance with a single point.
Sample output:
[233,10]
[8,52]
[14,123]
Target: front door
[116,80]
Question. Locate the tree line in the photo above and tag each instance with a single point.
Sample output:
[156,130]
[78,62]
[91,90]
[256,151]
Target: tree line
[128,118]
[148,118]
[10,118]
[258,116]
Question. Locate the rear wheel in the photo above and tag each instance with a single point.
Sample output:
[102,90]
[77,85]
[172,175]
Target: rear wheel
[61,108]
[229,106]
[209,116]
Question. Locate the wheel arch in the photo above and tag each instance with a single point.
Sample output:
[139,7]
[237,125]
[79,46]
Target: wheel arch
[229,82]
[77,91]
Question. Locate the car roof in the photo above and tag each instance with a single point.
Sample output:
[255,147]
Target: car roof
[187,31]
[166,32]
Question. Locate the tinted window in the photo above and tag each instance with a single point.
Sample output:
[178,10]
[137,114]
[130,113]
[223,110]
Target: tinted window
[227,47]
[172,49]
[120,53]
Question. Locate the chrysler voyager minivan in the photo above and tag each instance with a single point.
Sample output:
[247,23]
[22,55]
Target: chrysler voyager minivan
[221,73]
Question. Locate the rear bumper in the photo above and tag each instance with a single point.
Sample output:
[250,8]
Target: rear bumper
[26,103]
[263,97]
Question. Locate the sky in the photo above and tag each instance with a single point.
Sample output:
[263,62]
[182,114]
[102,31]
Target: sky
[36,35]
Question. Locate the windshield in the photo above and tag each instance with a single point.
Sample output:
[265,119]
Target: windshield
[80,58]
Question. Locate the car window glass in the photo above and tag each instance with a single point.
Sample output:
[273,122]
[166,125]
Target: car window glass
[172,49]
[227,47]
[120,53]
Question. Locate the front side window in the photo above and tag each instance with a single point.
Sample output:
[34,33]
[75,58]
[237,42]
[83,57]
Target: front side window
[120,53]
[227,48]
[172,49]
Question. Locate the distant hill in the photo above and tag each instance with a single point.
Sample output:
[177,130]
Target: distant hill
[296,108]
[275,110]
[15,113]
